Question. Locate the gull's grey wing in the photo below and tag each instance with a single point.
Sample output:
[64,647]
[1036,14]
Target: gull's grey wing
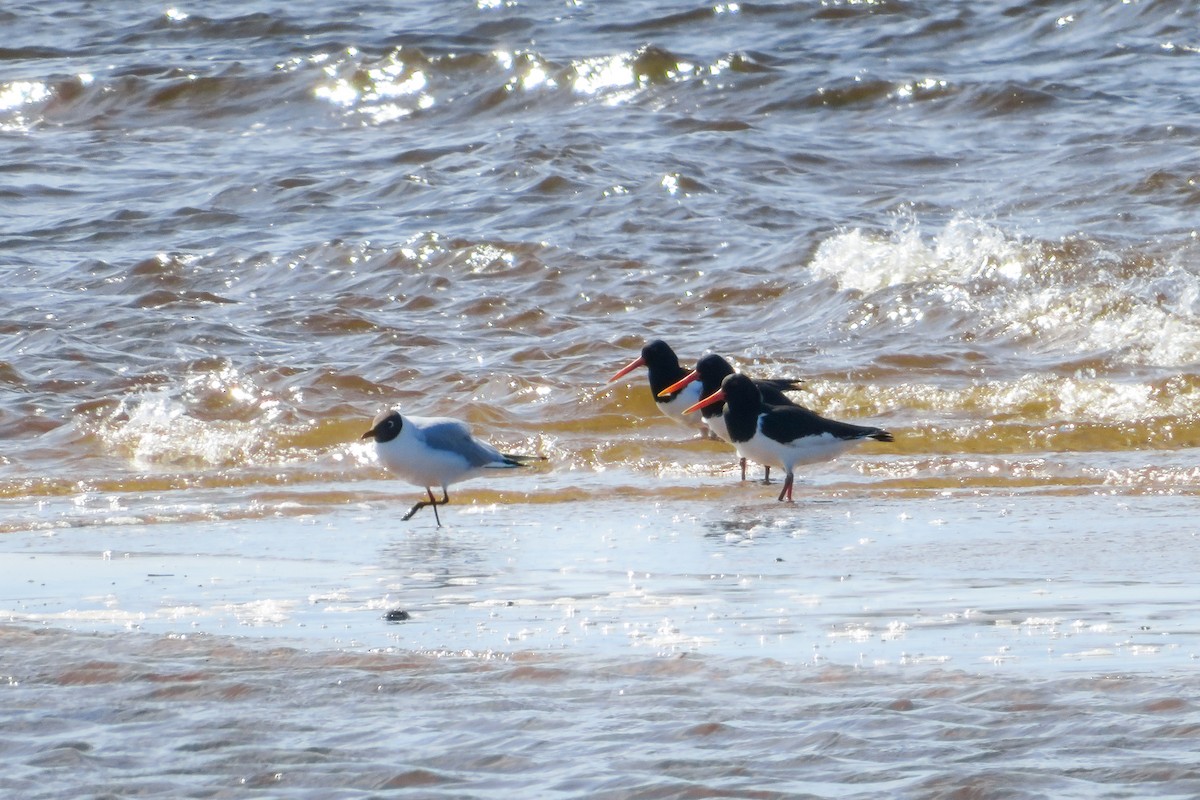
[453,435]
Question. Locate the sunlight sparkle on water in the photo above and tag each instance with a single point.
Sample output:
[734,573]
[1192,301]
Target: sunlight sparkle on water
[19,93]
[909,90]
[372,88]
[530,71]
[595,75]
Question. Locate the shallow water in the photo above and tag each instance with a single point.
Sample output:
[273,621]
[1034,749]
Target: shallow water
[234,232]
[970,580]
[379,725]
[998,645]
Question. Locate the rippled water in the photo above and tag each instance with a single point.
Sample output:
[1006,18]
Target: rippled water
[234,231]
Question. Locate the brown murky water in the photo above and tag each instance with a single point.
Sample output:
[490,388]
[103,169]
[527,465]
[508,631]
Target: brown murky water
[232,234]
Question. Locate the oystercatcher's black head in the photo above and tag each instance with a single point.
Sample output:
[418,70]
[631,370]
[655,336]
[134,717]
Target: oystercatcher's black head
[661,362]
[658,355]
[712,369]
[385,427]
[740,392]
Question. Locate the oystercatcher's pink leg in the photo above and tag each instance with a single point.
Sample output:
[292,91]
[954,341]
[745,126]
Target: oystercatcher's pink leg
[787,488]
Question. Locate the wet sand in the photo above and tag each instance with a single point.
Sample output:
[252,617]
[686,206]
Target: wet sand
[1030,581]
[646,641]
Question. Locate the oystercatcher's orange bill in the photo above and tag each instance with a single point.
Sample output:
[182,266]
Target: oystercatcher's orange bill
[715,397]
[675,387]
[628,368]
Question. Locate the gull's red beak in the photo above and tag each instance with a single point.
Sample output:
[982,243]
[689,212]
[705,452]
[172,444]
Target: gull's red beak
[675,387]
[628,368]
[715,397]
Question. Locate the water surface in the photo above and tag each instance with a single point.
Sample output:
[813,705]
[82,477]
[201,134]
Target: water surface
[234,232]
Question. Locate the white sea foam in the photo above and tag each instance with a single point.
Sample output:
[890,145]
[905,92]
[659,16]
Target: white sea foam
[156,430]
[1055,299]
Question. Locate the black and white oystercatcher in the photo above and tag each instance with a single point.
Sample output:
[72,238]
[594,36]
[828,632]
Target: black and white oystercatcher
[435,451]
[782,436]
[664,369]
[710,370]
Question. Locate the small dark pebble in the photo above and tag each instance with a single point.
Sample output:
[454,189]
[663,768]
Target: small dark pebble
[396,615]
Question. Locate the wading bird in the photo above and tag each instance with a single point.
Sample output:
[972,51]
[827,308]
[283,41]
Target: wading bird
[710,370]
[782,436]
[435,451]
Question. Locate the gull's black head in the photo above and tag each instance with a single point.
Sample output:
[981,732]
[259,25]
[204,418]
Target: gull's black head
[385,427]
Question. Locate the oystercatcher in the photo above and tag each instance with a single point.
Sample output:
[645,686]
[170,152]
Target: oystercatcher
[664,369]
[710,370]
[782,436]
